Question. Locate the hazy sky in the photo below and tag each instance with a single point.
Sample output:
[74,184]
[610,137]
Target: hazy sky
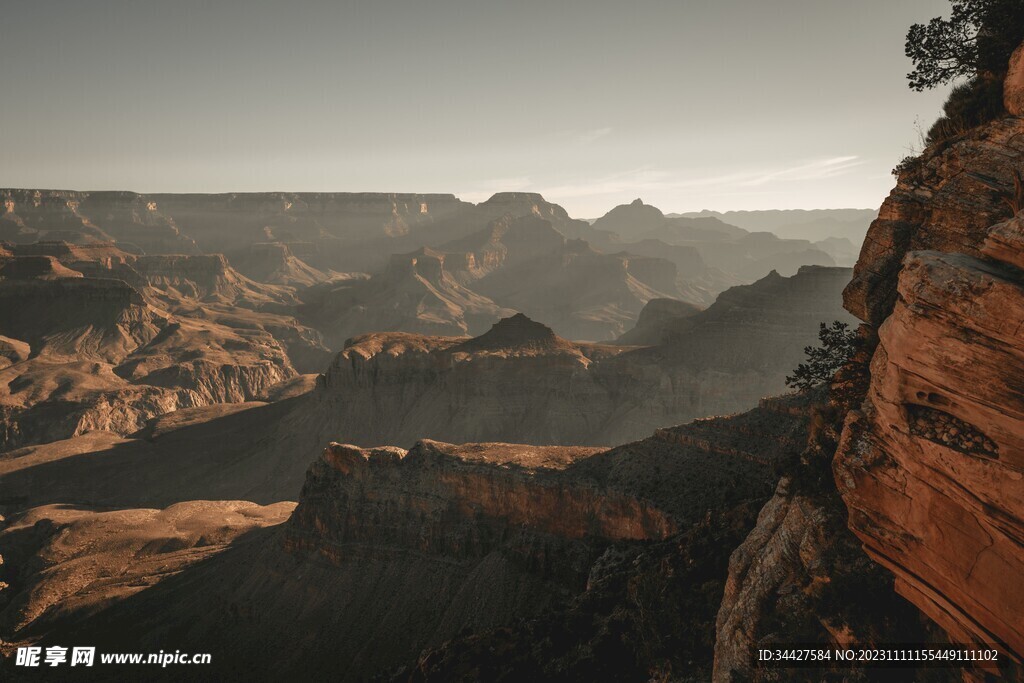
[721,104]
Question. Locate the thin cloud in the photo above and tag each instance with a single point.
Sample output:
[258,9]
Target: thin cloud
[641,180]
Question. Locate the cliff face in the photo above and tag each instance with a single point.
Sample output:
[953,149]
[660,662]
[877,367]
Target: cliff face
[464,502]
[946,201]
[930,466]
[90,217]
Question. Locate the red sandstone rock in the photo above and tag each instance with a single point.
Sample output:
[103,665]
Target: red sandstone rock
[931,468]
[1013,86]
[947,201]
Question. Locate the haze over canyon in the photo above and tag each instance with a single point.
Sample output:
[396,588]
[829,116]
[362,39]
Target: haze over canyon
[641,426]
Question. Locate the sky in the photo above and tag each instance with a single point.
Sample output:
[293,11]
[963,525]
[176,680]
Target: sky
[690,105]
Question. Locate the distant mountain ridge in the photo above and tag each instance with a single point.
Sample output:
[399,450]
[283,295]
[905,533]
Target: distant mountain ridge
[336,259]
[809,224]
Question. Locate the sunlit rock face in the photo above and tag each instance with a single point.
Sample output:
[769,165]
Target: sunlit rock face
[1013,87]
[931,467]
[946,202]
[460,501]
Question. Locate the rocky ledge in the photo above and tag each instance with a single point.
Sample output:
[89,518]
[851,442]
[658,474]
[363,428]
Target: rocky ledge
[465,502]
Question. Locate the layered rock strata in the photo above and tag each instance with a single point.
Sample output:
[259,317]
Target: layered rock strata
[931,466]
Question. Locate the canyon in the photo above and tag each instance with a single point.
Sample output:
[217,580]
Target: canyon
[419,439]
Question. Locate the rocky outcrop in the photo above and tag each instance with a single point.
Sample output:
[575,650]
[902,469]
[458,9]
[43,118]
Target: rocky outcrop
[780,554]
[63,314]
[274,263]
[1013,86]
[417,293]
[930,467]
[946,201]
[645,613]
[462,502]
[654,321]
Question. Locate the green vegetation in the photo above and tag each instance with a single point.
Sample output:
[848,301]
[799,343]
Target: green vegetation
[838,344]
[975,43]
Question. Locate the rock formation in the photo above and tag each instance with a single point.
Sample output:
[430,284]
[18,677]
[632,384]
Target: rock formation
[392,552]
[946,201]
[416,293]
[927,465]
[655,320]
[395,388]
[274,263]
[1013,86]
[930,466]
[93,353]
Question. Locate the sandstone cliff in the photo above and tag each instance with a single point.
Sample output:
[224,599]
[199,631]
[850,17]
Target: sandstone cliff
[930,466]
[946,201]
[927,465]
